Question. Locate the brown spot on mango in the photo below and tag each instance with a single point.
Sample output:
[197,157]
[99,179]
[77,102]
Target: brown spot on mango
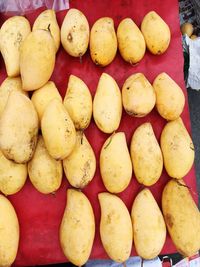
[69,37]
[169,220]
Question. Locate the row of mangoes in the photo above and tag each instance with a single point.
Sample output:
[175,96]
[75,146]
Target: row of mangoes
[116,164]
[33,54]
[146,226]
[21,119]
[103,41]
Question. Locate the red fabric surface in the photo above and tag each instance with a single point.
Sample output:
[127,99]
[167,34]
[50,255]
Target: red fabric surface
[40,215]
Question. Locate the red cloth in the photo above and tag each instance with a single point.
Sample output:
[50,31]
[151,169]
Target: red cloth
[40,215]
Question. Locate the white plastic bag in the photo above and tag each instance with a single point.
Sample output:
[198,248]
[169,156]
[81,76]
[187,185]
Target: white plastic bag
[192,47]
[21,7]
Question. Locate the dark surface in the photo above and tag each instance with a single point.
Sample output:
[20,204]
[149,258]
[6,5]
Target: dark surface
[194,103]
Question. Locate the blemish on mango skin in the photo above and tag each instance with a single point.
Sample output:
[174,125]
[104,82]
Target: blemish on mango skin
[69,37]
[169,220]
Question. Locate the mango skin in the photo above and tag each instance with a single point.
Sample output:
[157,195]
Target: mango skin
[103,42]
[9,232]
[170,99]
[12,175]
[18,128]
[177,148]
[58,130]
[149,230]
[146,155]
[115,163]
[131,42]
[182,217]
[107,116]
[78,102]
[8,85]
[12,34]
[77,228]
[42,96]
[156,33]
[48,19]
[138,95]
[37,59]
[75,33]
[45,172]
[80,165]
[115,227]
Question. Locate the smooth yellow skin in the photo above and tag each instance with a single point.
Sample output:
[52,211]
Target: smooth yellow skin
[131,42]
[187,28]
[156,33]
[18,128]
[58,130]
[37,59]
[75,33]
[7,86]
[44,171]
[107,104]
[12,34]
[77,229]
[177,148]
[149,230]
[42,22]
[43,96]
[12,175]
[103,42]
[78,102]
[115,227]
[170,99]
[115,163]
[146,155]
[9,232]
[138,95]
[80,165]
[182,217]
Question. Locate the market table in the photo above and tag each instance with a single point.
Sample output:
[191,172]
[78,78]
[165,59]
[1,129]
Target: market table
[40,215]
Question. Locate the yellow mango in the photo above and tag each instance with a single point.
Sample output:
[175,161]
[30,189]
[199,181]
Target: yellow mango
[170,99]
[12,34]
[146,155]
[78,102]
[58,130]
[44,171]
[77,228]
[43,96]
[9,232]
[149,230]
[131,42]
[103,42]
[107,104]
[18,128]
[12,175]
[138,95]
[47,20]
[177,148]
[37,59]
[156,33]
[7,86]
[182,217]
[75,33]
[80,165]
[115,163]
[115,227]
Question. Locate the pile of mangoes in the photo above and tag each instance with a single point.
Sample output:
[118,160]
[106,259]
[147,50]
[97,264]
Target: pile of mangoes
[29,58]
